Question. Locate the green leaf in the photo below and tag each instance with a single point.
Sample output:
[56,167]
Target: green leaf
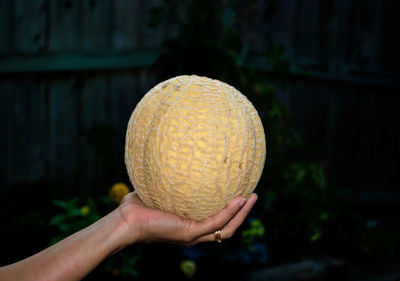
[318,175]
[324,216]
[56,220]
[61,204]
[300,175]
[317,235]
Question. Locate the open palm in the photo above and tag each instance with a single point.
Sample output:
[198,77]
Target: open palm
[152,225]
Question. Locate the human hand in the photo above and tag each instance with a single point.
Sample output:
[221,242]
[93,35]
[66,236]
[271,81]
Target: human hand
[144,224]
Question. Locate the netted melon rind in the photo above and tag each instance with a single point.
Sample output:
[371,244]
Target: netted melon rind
[192,145]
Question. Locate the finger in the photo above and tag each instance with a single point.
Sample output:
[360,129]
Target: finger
[229,229]
[219,220]
[131,198]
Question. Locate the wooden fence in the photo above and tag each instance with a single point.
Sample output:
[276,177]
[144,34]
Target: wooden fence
[72,71]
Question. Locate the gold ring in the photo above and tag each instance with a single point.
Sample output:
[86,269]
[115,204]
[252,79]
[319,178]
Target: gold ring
[217,236]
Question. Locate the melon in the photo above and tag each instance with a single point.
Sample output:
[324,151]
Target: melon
[192,145]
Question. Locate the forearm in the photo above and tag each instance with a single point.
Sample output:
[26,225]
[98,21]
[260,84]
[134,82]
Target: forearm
[72,258]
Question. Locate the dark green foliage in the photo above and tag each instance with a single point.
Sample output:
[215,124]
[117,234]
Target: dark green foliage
[296,206]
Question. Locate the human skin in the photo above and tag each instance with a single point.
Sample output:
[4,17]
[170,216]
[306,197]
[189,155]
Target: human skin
[132,222]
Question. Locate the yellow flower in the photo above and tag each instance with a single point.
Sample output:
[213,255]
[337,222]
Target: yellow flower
[118,191]
[85,210]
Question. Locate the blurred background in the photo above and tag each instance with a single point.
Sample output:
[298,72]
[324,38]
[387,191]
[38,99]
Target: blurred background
[323,76]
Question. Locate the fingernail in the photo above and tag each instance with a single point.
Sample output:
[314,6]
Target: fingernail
[242,202]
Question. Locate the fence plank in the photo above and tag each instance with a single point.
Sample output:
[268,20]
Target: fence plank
[344,136]
[148,37]
[94,149]
[341,26]
[95,27]
[317,133]
[64,111]
[30,130]
[300,108]
[125,25]
[333,112]
[390,55]
[94,101]
[326,31]
[378,143]
[310,105]
[387,146]
[64,25]
[6,26]
[371,40]
[280,29]
[30,25]
[6,127]
[305,31]
[146,81]
[367,125]
[124,98]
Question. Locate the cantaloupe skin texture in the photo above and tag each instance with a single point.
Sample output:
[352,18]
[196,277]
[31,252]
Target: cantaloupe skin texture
[192,145]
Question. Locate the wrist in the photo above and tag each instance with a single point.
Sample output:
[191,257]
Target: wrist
[125,229]
[112,232]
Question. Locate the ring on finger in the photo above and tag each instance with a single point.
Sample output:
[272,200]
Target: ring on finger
[217,236]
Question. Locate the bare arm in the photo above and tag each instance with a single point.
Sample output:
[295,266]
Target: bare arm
[72,258]
[77,255]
